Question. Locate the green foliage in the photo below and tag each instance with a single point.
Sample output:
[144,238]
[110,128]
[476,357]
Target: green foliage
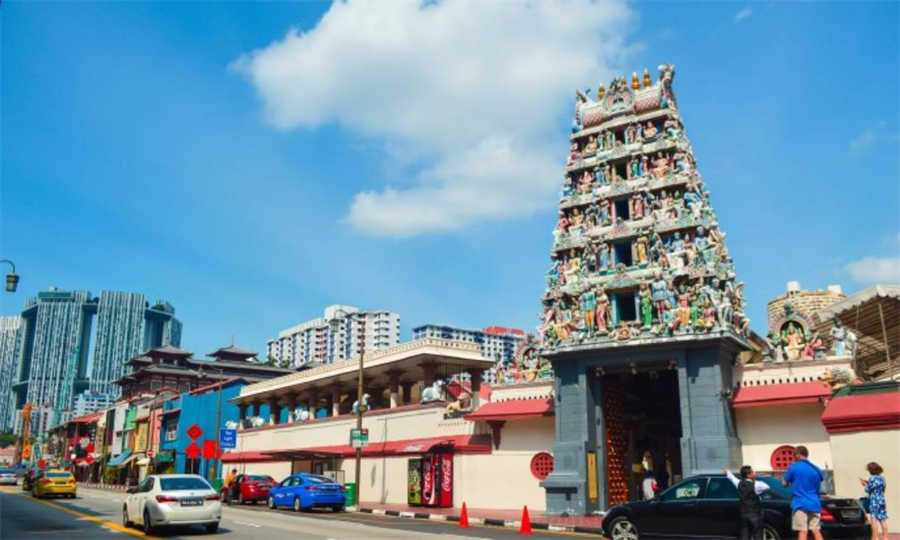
[7,439]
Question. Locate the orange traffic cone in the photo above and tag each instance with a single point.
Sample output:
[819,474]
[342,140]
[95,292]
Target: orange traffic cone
[525,528]
[464,518]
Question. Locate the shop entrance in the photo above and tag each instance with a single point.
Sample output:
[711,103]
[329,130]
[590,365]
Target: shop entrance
[643,432]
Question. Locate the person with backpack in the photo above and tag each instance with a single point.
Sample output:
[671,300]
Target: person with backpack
[749,490]
[805,480]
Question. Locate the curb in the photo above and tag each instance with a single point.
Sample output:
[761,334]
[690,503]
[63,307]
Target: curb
[509,524]
[106,487]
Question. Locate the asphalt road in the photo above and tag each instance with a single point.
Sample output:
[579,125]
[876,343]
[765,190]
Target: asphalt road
[96,514]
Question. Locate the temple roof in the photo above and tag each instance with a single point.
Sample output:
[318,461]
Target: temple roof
[168,350]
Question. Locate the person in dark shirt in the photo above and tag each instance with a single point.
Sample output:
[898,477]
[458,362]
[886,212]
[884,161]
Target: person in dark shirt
[805,480]
[749,490]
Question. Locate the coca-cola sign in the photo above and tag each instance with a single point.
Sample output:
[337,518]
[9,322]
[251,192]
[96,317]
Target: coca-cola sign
[446,496]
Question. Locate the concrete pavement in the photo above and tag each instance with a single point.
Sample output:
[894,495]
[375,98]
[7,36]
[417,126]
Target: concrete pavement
[97,514]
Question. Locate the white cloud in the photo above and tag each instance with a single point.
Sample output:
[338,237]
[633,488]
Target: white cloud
[742,14]
[869,270]
[870,136]
[470,93]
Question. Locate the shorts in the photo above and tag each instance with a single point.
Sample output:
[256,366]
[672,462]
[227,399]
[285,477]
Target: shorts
[805,521]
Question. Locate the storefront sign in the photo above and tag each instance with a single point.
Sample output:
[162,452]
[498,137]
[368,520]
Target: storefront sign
[446,499]
[228,438]
[592,476]
[359,438]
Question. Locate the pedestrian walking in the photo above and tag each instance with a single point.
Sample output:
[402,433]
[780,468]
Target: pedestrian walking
[749,490]
[806,505]
[229,479]
[875,487]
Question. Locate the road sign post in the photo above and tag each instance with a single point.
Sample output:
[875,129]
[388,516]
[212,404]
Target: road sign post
[227,438]
[359,437]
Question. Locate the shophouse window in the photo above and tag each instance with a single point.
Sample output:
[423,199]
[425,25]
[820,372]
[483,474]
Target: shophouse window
[171,430]
[625,309]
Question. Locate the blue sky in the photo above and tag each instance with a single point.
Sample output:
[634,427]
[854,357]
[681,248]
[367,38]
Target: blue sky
[408,159]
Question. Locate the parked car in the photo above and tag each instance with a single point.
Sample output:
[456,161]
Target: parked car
[172,499]
[8,477]
[249,488]
[708,506]
[48,483]
[303,491]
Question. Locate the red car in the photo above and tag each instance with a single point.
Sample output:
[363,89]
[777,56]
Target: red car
[249,488]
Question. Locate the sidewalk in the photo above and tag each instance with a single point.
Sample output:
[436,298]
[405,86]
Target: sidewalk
[489,516]
[110,487]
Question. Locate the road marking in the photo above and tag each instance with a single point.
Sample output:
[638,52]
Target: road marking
[87,517]
[247,523]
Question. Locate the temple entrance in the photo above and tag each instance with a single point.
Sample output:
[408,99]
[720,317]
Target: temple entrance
[643,432]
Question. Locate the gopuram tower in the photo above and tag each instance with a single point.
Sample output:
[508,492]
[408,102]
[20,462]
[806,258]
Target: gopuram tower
[642,318]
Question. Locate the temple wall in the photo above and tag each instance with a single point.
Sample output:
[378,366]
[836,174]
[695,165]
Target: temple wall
[763,429]
[852,451]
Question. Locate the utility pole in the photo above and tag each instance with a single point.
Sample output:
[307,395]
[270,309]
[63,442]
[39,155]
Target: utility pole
[360,409]
[218,457]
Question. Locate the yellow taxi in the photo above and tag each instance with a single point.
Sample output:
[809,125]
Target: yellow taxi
[60,483]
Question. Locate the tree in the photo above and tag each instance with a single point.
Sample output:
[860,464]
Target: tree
[7,439]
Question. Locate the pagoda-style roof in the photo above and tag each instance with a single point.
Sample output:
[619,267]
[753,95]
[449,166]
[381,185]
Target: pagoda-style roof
[168,350]
[232,353]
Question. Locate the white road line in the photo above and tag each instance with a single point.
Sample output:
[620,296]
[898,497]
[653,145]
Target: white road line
[247,523]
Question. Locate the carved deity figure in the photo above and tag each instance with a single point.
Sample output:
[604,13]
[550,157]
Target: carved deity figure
[600,174]
[602,317]
[646,305]
[650,131]
[589,309]
[660,165]
[708,315]
[634,168]
[660,294]
[640,250]
[604,212]
[605,256]
[673,129]
[839,337]
[591,147]
[684,307]
[573,154]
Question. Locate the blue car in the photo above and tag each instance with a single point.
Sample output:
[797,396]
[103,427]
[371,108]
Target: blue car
[303,491]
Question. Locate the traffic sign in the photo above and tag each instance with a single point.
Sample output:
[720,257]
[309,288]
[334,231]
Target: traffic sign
[228,438]
[194,432]
[192,451]
[359,437]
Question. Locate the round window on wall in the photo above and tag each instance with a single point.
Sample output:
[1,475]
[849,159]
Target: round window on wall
[541,465]
[782,457]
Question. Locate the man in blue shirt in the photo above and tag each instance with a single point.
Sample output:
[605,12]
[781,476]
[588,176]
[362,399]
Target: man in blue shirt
[806,506]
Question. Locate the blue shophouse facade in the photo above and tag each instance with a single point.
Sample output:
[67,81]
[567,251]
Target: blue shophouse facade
[199,407]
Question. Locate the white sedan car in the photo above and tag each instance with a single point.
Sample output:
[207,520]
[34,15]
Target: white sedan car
[172,499]
[7,477]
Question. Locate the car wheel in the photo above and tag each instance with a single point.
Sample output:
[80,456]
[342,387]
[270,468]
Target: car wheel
[148,528]
[270,502]
[240,498]
[212,528]
[125,521]
[768,533]
[222,496]
[297,506]
[623,529]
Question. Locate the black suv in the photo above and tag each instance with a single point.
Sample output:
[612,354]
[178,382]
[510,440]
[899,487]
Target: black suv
[707,506]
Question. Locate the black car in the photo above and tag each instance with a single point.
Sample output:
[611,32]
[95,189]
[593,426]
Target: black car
[706,506]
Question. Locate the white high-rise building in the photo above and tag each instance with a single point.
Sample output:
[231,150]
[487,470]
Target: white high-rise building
[88,402]
[341,333]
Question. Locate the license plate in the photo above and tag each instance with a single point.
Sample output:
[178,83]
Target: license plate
[63,483]
[850,514]
[191,502]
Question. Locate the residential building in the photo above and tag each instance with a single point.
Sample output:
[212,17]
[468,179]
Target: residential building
[496,342]
[10,342]
[341,333]
[88,402]
[57,332]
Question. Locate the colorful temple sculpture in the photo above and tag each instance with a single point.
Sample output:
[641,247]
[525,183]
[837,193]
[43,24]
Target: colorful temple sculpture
[643,316]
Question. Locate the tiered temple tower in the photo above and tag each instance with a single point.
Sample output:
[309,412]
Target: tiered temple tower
[641,291]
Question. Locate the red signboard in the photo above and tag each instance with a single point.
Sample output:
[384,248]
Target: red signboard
[89,448]
[192,451]
[89,459]
[194,432]
[210,450]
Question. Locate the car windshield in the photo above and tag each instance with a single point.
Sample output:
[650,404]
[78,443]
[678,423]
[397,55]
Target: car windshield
[58,474]
[184,482]
[6,471]
[314,479]
[775,487]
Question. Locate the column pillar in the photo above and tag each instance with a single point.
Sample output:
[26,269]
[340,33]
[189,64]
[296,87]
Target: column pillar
[394,380]
[242,410]
[407,391]
[274,412]
[475,374]
[292,404]
[256,406]
[429,369]
[312,402]
[335,400]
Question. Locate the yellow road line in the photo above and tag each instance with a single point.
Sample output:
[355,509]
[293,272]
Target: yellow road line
[87,517]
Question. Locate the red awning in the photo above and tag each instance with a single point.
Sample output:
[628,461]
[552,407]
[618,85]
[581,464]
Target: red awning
[246,457]
[865,412]
[780,394]
[513,409]
[87,418]
[469,444]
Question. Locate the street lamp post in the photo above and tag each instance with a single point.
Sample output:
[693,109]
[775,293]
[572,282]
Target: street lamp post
[360,407]
[12,279]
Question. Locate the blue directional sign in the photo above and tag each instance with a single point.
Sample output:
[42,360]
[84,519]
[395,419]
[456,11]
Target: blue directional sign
[228,438]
